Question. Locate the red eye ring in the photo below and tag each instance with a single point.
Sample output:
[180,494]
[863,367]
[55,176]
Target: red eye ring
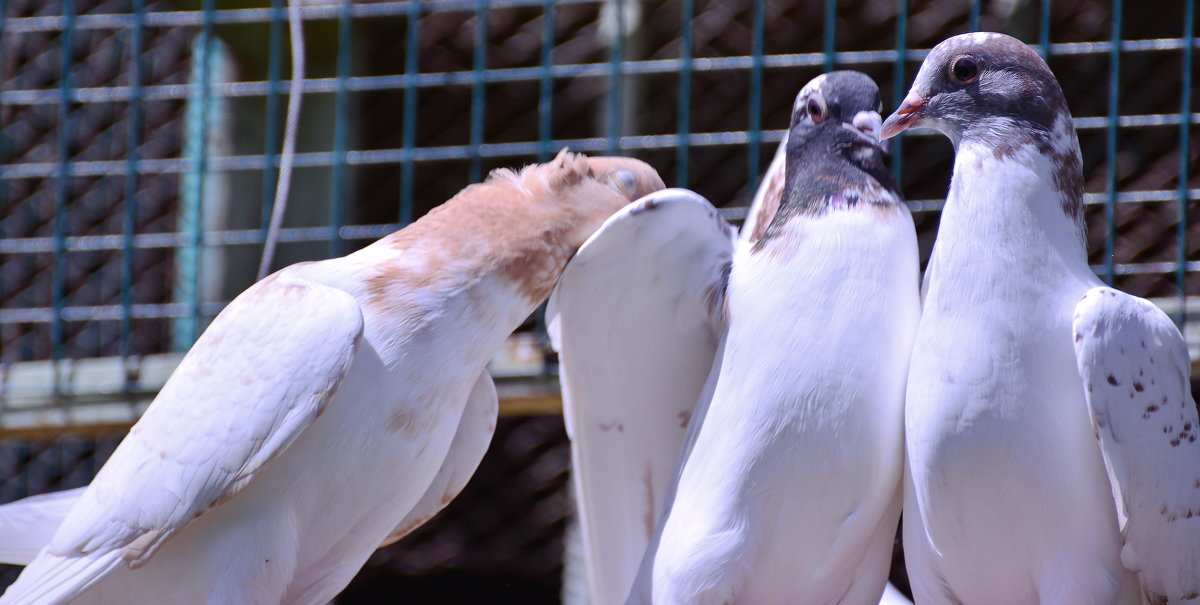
[816,109]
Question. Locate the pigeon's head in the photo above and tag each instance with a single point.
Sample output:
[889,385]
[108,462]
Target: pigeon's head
[630,178]
[984,87]
[579,192]
[834,157]
[836,110]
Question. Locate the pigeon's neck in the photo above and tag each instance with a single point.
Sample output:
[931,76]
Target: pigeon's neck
[477,266]
[1006,214]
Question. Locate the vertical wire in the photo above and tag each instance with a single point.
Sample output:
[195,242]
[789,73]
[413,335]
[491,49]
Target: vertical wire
[341,111]
[131,175]
[546,92]
[4,200]
[1044,31]
[274,75]
[756,84]
[62,189]
[1185,123]
[616,56]
[1114,88]
[830,33]
[900,90]
[685,95]
[196,235]
[409,127]
[545,134]
[974,20]
[478,89]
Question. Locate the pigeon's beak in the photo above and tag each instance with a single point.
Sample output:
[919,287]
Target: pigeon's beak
[866,126]
[906,115]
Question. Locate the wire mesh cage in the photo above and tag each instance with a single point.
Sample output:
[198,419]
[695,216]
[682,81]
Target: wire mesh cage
[139,149]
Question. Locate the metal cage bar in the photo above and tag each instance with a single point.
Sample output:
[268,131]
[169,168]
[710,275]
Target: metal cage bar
[412,82]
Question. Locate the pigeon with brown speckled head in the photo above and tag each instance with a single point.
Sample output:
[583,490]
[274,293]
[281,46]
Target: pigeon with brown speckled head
[1036,395]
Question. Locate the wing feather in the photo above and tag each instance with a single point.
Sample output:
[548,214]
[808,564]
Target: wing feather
[1134,365]
[766,199]
[260,374]
[470,443]
[637,318]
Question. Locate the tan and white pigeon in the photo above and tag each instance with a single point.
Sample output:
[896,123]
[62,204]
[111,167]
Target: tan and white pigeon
[330,408]
[1051,435]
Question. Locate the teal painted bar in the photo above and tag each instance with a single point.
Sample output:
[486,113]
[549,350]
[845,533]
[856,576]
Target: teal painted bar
[615,57]
[546,84]
[62,189]
[685,95]
[1185,104]
[973,21]
[409,126]
[133,138]
[901,84]
[1110,175]
[756,85]
[341,116]
[187,282]
[1044,30]
[830,42]
[478,89]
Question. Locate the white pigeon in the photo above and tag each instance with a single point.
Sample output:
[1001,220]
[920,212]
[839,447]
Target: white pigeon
[781,355]
[314,419]
[1036,395]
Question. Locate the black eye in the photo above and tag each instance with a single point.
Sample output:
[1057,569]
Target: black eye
[964,70]
[816,109]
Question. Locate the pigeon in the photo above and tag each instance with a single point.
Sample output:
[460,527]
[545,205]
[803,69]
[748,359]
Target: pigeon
[750,388]
[1052,447]
[330,408]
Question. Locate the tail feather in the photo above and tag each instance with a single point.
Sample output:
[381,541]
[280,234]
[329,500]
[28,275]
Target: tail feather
[27,525]
[53,580]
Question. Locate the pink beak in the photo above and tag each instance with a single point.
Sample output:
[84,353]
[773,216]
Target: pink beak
[906,115]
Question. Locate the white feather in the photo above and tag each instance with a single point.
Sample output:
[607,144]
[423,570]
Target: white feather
[636,318]
[27,525]
[1134,365]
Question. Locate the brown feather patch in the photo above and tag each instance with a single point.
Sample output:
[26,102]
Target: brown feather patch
[523,226]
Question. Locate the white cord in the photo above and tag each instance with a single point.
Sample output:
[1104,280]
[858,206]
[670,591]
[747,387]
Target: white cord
[296,28]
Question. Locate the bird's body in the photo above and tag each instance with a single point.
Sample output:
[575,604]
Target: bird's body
[791,491]
[398,334]
[987,382]
[1014,461]
[796,339]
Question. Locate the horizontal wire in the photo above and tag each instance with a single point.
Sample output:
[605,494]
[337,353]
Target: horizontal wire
[235,237]
[43,315]
[160,92]
[365,157]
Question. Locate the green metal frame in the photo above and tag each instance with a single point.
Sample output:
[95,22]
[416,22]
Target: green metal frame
[196,163]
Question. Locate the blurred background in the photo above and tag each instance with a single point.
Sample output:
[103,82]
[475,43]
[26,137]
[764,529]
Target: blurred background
[139,146]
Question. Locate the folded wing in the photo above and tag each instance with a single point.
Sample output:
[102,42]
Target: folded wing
[636,318]
[1134,365]
[470,443]
[260,374]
